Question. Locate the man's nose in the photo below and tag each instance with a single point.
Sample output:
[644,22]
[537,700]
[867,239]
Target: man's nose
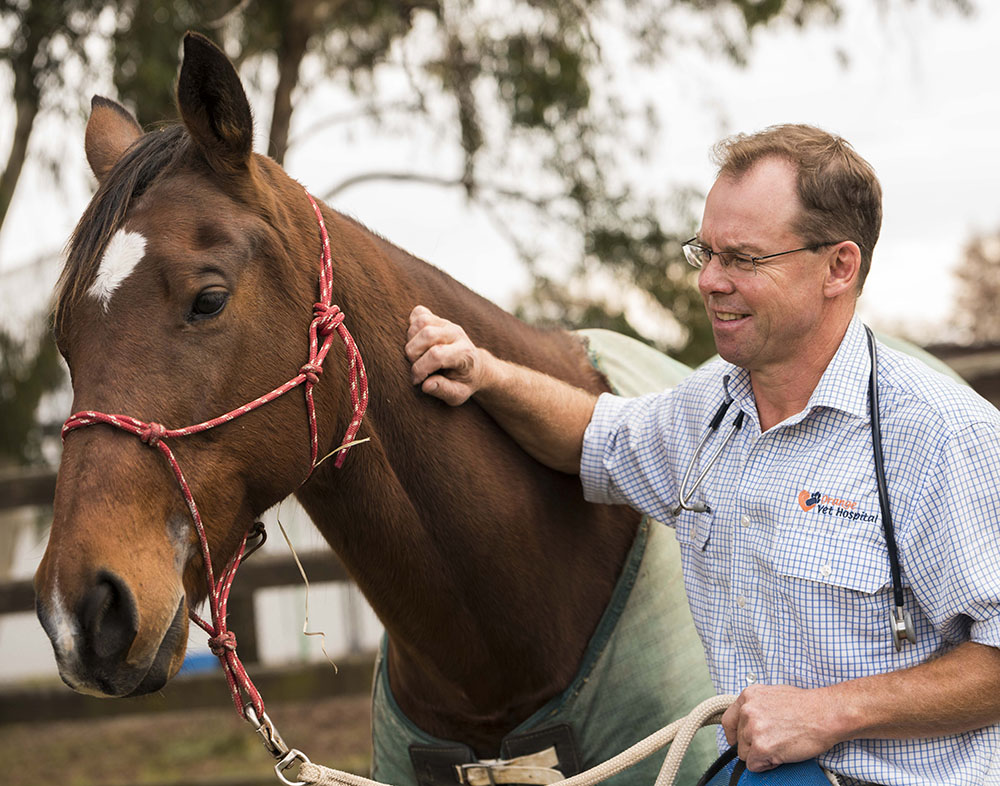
[713,277]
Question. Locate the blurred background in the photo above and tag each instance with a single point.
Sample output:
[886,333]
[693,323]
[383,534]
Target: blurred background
[551,155]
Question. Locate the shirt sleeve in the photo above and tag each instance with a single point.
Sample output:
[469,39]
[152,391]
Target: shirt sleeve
[627,456]
[952,549]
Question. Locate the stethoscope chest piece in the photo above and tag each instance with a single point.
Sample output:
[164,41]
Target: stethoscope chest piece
[901,622]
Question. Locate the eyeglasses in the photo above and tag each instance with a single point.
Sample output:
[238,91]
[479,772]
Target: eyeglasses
[699,256]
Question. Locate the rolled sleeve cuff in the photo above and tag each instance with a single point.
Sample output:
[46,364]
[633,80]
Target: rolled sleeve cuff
[986,632]
[608,415]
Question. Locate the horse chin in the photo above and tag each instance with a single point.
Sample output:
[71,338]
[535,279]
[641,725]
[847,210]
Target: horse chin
[168,658]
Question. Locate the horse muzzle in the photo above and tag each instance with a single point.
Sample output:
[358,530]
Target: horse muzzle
[97,641]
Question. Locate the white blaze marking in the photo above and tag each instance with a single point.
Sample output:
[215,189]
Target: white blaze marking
[64,637]
[121,256]
[64,626]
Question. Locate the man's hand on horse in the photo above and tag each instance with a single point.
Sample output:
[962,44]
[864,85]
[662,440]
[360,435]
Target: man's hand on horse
[446,363]
[778,724]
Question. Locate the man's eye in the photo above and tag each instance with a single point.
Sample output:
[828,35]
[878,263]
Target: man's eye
[209,303]
[739,260]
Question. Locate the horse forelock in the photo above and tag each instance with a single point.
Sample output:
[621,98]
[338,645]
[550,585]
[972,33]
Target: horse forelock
[105,215]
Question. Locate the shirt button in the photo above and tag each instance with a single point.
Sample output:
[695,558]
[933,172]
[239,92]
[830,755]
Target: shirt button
[751,679]
[745,520]
[825,569]
[741,601]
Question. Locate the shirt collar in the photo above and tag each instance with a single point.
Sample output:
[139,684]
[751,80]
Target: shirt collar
[843,386]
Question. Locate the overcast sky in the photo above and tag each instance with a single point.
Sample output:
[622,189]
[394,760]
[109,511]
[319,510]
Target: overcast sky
[918,98]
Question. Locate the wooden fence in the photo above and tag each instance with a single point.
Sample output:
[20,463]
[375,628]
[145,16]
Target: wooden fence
[46,703]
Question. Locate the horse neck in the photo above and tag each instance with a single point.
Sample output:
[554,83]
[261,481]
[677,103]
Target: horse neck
[487,569]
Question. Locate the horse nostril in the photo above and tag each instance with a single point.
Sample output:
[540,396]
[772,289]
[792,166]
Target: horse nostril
[108,617]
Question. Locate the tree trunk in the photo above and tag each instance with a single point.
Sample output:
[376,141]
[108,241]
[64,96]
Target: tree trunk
[27,98]
[295,36]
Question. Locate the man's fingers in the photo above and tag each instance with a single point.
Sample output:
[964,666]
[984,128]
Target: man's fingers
[729,723]
[427,331]
[439,357]
[448,390]
[421,317]
[427,338]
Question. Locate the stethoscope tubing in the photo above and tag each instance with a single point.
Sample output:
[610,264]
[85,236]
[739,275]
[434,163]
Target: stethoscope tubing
[684,497]
[900,620]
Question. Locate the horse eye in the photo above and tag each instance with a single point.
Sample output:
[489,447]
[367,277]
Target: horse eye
[209,303]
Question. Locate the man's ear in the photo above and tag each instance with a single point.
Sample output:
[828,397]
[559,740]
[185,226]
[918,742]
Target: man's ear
[111,130]
[214,106]
[843,269]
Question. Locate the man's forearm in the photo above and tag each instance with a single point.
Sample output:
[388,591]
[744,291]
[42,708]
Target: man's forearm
[544,415]
[958,692]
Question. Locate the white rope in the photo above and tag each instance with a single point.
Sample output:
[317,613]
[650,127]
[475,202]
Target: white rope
[680,733]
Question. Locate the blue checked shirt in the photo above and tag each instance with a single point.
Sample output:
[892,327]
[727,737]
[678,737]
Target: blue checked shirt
[788,574]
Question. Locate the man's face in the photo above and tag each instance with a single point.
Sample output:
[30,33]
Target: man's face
[761,321]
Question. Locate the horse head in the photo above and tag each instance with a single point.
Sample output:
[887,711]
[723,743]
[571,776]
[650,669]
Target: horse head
[184,296]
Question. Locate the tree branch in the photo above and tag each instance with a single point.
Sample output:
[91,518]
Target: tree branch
[541,203]
[344,117]
[215,24]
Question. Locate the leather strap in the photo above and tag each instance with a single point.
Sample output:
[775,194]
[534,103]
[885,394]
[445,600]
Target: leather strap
[535,768]
[534,758]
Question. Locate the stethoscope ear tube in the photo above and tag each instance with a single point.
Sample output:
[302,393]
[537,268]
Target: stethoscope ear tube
[685,492]
[901,622]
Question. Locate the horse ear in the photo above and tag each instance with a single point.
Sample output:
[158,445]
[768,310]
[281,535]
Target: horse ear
[213,105]
[111,130]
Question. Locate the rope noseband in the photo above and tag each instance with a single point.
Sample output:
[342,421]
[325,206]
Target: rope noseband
[327,320]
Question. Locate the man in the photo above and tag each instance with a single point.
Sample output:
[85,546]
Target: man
[785,560]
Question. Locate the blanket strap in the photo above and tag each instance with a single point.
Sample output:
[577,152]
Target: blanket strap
[535,768]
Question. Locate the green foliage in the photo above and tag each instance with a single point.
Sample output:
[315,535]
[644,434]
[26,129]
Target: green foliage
[541,79]
[638,254]
[146,51]
[28,369]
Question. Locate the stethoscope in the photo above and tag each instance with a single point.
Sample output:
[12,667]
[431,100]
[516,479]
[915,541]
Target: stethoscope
[900,620]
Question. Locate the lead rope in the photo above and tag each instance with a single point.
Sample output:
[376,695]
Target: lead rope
[327,320]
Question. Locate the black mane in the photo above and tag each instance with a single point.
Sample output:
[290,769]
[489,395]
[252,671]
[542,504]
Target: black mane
[105,214]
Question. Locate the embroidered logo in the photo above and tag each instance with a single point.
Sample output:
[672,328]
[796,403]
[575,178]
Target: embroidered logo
[828,505]
[807,502]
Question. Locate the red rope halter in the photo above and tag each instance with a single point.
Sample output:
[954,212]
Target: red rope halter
[327,320]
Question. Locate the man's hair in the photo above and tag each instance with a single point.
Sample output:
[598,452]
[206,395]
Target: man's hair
[840,195]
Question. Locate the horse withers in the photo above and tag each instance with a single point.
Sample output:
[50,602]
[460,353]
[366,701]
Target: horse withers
[188,291]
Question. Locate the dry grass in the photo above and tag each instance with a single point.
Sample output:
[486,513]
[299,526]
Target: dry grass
[197,747]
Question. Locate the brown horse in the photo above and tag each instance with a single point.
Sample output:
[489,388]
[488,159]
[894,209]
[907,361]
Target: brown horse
[187,292]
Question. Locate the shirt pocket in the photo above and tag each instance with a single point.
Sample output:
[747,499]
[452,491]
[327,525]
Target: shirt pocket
[704,546]
[836,592]
[855,563]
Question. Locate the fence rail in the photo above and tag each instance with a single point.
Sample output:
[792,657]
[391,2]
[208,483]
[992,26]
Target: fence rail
[27,487]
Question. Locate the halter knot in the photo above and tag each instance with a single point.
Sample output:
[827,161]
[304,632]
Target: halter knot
[312,372]
[327,318]
[222,643]
[152,433]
